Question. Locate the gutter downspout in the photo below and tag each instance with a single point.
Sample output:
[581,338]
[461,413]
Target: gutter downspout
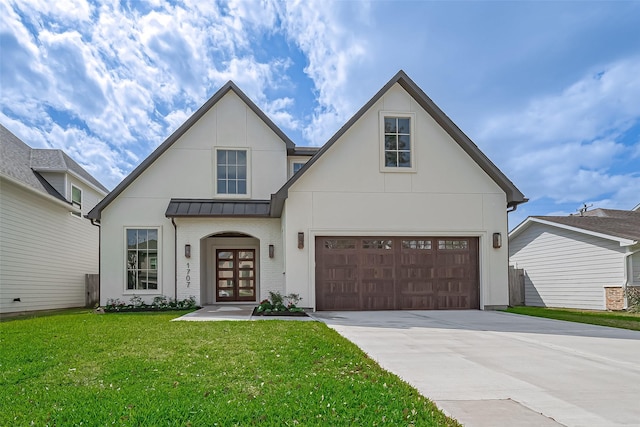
[175,258]
[628,273]
[93,222]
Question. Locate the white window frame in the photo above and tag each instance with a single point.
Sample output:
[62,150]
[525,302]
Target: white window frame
[77,214]
[158,262]
[412,137]
[247,195]
[293,166]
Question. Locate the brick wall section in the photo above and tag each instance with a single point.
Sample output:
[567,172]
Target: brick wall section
[615,297]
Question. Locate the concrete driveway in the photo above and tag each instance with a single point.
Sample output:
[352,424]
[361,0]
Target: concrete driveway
[494,369]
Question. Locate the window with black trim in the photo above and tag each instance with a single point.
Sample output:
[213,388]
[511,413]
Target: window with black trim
[142,259]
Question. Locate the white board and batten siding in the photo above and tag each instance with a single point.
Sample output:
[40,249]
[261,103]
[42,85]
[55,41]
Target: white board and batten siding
[45,252]
[564,268]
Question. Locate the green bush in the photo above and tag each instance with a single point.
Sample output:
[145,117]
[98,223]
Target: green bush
[160,303]
[633,299]
[279,303]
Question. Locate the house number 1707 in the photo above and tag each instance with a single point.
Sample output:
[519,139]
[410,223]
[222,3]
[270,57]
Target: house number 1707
[188,277]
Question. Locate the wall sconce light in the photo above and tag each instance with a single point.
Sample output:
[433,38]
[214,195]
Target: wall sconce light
[271,251]
[187,251]
[497,240]
[301,240]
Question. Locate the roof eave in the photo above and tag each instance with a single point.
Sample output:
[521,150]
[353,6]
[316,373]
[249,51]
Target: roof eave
[514,196]
[96,212]
[529,220]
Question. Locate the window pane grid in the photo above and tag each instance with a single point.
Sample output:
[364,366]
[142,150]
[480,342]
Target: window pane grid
[416,244]
[453,244]
[377,244]
[397,142]
[142,259]
[232,171]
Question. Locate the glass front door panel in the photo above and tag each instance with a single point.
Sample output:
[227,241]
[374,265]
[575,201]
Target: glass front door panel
[235,275]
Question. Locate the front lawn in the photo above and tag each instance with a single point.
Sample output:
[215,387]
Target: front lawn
[616,319]
[142,369]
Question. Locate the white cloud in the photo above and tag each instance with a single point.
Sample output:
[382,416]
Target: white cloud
[320,29]
[567,146]
[66,12]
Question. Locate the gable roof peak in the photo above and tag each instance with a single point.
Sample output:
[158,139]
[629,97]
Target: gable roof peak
[514,196]
[96,212]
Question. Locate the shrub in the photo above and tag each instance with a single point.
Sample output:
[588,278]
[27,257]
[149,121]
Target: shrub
[633,298]
[160,303]
[280,303]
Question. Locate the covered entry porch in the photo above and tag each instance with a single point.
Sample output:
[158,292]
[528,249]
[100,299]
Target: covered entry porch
[226,252]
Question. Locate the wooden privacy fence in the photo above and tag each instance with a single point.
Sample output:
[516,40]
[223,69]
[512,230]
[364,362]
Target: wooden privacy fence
[92,290]
[516,286]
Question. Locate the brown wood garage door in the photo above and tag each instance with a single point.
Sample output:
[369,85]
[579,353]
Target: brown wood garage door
[384,273]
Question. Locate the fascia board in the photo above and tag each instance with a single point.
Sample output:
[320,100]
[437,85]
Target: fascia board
[526,223]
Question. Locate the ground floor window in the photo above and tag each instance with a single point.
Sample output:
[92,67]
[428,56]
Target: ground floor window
[142,258]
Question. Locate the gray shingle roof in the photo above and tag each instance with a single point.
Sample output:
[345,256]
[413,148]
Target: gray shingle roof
[617,223]
[22,163]
[47,160]
[217,208]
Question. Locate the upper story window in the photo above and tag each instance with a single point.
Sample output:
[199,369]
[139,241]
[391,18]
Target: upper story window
[297,166]
[76,200]
[397,147]
[232,177]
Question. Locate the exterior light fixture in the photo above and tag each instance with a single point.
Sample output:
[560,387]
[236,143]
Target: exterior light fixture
[300,240]
[271,251]
[187,251]
[497,240]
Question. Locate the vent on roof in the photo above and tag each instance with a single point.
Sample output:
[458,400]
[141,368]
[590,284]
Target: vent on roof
[583,210]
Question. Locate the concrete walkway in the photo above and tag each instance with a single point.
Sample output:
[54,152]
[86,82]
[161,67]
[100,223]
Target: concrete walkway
[212,313]
[499,369]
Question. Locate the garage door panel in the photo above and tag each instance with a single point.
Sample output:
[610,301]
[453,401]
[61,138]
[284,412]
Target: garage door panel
[424,302]
[341,295]
[377,302]
[373,273]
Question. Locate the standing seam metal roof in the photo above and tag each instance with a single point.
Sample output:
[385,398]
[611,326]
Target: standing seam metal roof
[206,208]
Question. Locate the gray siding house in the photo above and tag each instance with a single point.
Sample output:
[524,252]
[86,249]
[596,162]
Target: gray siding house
[46,244]
[579,261]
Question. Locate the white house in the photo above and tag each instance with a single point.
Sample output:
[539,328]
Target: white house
[46,245]
[580,261]
[398,210]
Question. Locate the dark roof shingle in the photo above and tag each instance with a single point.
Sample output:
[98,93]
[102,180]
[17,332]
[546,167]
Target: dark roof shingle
[617,223]
[23,163]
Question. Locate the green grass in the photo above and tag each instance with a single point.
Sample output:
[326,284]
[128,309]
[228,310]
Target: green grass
[142,369]
[622,320]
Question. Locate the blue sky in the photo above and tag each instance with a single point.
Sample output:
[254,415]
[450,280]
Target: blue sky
[550,91]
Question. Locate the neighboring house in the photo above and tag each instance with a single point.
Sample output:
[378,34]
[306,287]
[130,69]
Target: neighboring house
[46,245]
[578,261]
[398,210]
